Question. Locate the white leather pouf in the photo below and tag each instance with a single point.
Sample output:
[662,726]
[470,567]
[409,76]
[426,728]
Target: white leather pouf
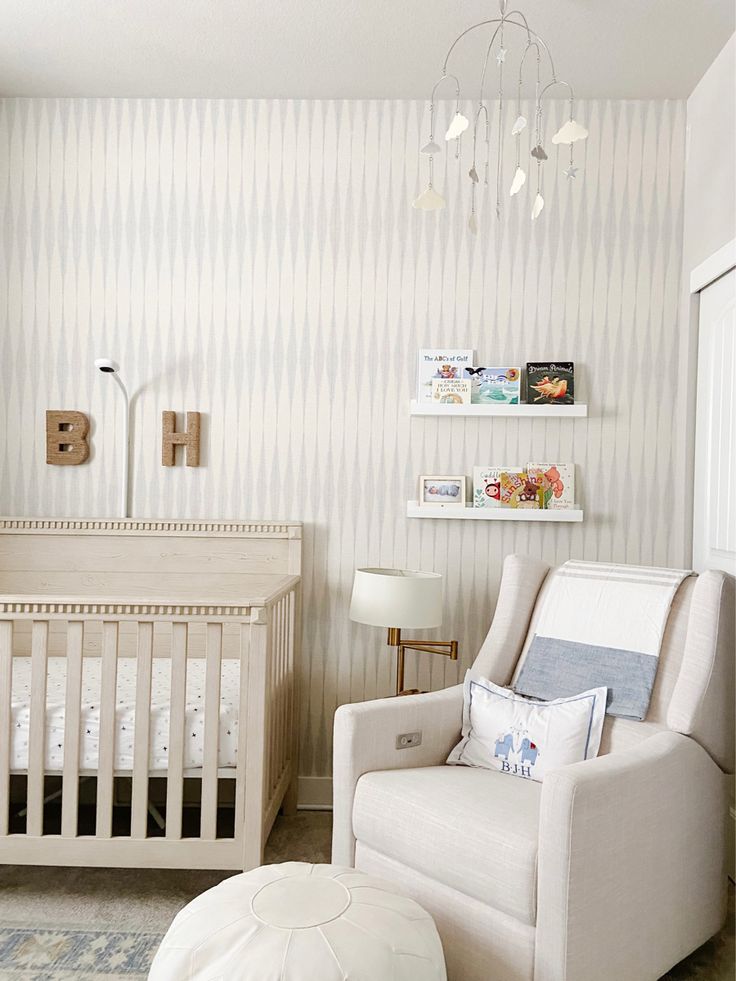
[299,922]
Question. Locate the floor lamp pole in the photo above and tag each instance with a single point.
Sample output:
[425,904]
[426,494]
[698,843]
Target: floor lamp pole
[109,367]
[125,496]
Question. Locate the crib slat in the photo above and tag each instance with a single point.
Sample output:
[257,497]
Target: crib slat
[37,737]
[279,694]
[106,759]
[276,717]
[279,689]
[291,715]
[257,721]
[141,745]
[211,731]
[6,677]
[243,635]
[72,711]
[283,691]
[177,718]
[289,629]
[290,800]
[270,702]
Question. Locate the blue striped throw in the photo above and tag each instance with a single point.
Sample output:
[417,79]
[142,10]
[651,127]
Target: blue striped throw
[600,625]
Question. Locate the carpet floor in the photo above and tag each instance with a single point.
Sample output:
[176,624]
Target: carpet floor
[106,924]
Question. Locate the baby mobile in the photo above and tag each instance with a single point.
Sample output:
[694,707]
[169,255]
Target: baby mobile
[535,53]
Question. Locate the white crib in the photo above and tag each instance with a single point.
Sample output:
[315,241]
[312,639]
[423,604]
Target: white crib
[145,658]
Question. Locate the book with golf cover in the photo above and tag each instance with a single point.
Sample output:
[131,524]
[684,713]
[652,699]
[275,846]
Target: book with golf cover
[550,383]
[450,392]
[433,363]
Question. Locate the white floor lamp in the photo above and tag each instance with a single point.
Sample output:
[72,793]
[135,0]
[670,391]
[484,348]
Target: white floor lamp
[109,367]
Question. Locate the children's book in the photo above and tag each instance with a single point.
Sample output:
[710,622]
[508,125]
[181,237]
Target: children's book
[447,365]
[450,392]
[487,485]
[557,483]
[518,491]
[550,382]
[493,386]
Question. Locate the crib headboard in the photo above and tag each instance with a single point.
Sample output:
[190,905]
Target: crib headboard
[90,545]
[90,560]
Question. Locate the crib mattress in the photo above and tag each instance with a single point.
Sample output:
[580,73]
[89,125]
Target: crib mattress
[124,713]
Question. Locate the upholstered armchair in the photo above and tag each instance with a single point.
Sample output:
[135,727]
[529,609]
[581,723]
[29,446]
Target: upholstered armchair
[613,869]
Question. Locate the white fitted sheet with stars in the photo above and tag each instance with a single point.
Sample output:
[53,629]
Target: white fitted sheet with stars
[124,713]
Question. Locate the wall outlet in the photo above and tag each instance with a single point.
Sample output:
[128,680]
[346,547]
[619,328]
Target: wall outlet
[407,739]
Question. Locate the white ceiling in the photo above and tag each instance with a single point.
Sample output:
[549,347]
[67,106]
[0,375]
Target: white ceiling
[341,48]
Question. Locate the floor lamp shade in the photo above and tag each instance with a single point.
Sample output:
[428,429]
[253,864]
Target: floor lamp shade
[397,598]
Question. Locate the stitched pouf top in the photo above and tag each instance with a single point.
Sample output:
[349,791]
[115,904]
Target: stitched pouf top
[299,922]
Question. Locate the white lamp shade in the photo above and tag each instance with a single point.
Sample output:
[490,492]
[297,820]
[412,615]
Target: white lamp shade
[397,598]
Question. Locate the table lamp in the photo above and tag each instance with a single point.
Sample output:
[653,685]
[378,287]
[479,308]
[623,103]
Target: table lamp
[398,599]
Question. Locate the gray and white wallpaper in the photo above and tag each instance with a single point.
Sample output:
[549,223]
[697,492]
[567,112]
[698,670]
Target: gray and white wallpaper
[260,262]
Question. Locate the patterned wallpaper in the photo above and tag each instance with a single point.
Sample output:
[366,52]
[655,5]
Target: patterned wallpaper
[260,262]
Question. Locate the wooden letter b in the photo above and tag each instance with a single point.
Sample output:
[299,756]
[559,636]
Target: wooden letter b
[66,438]
[170,439]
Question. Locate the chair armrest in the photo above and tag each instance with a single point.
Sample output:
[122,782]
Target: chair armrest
[631,874]
[365,737]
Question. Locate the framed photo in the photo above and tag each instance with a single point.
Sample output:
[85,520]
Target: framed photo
[443,491]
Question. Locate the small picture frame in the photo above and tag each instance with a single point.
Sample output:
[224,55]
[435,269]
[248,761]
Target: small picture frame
[442,491]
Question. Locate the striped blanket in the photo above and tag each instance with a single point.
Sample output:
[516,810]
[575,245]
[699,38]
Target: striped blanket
[601,625]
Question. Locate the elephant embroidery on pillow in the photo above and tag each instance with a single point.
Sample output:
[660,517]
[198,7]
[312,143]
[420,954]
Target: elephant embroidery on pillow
[529,751]
[516,747]
[504,746]
[527,738]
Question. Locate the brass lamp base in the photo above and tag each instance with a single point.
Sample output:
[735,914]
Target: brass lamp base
[446,647]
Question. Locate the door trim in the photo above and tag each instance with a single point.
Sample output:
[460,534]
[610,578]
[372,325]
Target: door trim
[716,265]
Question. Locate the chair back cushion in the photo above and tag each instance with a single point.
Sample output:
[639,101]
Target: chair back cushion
[520,587]
[694,689]
[702,702]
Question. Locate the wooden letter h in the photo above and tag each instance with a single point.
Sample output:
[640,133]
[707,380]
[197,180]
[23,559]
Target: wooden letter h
[170,439]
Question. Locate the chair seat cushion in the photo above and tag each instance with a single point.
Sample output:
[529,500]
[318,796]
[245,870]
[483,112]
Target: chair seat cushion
[474,830]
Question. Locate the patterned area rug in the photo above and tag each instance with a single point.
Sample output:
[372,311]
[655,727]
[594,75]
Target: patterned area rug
[106,924]
[74,952]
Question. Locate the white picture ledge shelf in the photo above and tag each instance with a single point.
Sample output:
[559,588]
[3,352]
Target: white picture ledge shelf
[415,510]
[575,411]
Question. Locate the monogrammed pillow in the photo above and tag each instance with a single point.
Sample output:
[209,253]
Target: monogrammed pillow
[525,737]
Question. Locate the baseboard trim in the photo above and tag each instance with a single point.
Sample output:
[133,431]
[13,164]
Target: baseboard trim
[315,794]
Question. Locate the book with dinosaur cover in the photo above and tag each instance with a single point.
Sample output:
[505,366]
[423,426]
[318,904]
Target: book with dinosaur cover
[550,382]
